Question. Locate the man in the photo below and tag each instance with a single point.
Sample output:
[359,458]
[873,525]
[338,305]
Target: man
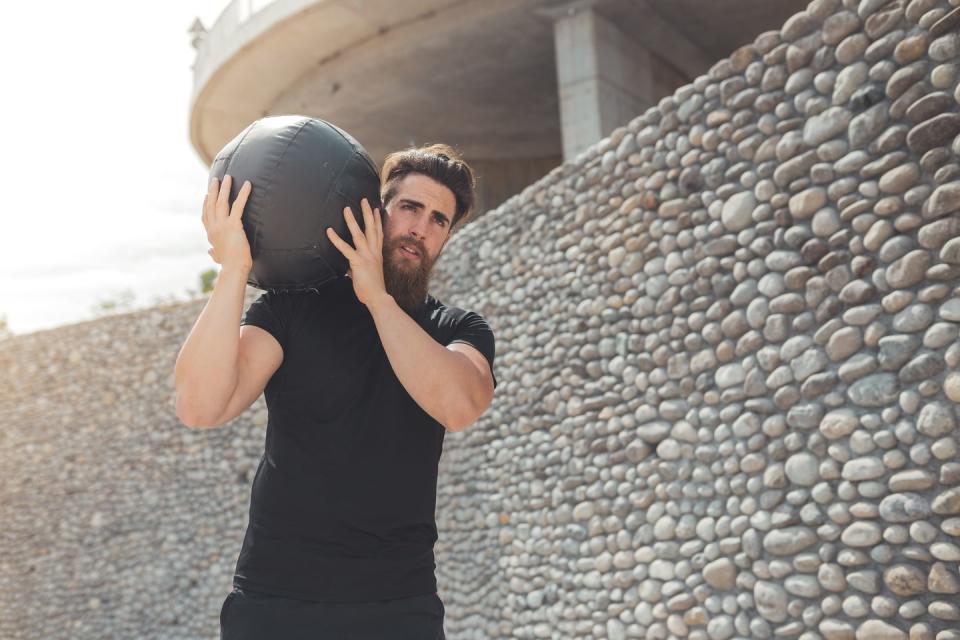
[362,379]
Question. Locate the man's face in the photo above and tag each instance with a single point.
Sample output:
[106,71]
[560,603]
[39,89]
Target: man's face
[417,218]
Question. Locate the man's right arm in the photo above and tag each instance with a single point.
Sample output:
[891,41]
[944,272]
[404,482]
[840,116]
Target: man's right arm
[223,367]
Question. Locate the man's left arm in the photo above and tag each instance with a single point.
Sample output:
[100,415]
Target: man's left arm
[453,384]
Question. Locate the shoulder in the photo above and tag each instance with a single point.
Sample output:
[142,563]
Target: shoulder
[295,297]
[438,310]
[282,299]
[442,315]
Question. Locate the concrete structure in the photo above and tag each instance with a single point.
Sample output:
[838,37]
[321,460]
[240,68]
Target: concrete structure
[604,78]
[517,85]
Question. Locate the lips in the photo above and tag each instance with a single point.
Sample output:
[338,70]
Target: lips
[410,251]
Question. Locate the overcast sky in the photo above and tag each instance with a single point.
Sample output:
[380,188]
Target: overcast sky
[101,188]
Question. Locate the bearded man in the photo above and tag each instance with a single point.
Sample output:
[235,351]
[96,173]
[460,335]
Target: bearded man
[362,379]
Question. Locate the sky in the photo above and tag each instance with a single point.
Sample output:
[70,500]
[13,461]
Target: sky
[101,187]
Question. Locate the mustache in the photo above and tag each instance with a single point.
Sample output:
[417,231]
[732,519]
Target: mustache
[412,242]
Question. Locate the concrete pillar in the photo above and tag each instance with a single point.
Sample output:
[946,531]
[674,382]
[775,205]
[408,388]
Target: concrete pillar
[605,78]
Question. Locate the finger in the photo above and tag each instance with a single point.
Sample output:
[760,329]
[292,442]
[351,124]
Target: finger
[376,230]
[241,200]
[340,244]
[203,209]
[368,224]
[224,196]
[358,238]
[209,199]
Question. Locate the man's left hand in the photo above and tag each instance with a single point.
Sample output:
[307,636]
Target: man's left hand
[366,261]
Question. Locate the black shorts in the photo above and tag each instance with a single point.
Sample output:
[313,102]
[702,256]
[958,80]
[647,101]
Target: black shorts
[248,615]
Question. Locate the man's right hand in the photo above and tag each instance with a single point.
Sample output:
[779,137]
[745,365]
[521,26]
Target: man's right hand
[224,225]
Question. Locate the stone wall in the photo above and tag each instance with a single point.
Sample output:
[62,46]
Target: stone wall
[728,341]
[117,521]
[727,347]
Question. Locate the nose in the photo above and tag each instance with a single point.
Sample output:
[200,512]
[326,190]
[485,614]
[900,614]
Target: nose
[419,229]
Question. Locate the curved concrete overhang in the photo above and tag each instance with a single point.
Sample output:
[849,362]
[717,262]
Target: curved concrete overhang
[478,74]
[385,71]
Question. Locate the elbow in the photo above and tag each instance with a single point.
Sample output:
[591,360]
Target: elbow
[459,421]
[455,423]
[186,417]
[468,411]
[192,419]
[198,424]
[452,427]
[188,420]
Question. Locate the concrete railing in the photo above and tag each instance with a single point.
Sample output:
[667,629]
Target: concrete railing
[231,30]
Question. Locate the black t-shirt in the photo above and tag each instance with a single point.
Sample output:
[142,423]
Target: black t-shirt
[343,503]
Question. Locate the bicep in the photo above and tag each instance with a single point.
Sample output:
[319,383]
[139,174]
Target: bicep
[479,362]
[259,357]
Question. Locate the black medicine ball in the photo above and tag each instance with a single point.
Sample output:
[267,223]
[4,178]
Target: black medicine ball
[304,171]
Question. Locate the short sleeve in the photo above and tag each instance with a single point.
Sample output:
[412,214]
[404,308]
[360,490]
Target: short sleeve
[272,312]
[474,330]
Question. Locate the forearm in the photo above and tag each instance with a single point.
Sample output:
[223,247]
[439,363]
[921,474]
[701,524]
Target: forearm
[205,373]
[435,377]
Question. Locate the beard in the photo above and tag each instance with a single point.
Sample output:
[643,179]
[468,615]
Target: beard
[406,279]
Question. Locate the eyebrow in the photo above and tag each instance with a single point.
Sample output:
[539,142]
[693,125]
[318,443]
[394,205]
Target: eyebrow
[420,205]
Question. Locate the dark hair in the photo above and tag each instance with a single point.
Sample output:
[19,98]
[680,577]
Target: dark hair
[438,161]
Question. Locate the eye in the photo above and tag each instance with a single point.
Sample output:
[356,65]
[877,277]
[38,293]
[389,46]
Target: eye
[440,220]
